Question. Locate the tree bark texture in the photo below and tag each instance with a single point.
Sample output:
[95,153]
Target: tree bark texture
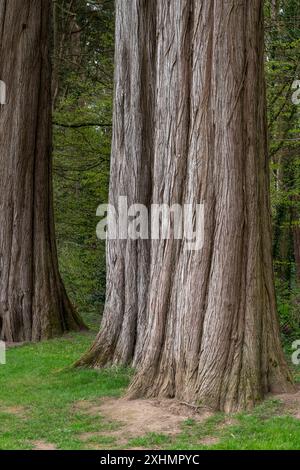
[190,127]
[33,301]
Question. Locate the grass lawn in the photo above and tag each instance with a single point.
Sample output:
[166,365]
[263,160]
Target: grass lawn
[38,404]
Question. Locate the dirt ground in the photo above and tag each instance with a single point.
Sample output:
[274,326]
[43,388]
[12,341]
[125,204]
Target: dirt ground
[42,445]
[139,417]
[291,402]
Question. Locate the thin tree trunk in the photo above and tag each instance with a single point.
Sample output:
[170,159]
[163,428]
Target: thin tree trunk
[33,301]
[190,127]
[296,238]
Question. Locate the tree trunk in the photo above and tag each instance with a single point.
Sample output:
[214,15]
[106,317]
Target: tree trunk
[33,301]
[190,127]
[296,238]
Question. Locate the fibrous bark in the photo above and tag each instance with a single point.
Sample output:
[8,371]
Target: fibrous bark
[33,301]
[190,127]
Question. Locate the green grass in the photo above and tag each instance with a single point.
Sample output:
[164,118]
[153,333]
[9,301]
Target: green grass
[39,392]
[36,378]
[262,429]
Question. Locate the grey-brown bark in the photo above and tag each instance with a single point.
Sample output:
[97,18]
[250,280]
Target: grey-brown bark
[33,301]
[190,127]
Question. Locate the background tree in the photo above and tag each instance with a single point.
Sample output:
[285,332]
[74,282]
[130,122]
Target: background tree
[33,301]
[190,126]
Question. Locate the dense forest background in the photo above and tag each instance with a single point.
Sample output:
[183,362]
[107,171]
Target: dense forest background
[83,90]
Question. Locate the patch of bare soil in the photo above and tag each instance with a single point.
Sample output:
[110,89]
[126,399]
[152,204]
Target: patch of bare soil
[19,411]
[209,441]
[43,445]
[139,417]
[291,402]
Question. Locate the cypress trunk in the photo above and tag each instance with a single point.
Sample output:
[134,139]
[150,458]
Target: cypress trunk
[190,127]
[33,301]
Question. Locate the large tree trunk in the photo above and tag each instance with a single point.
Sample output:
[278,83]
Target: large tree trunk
[190,127]
[33,301]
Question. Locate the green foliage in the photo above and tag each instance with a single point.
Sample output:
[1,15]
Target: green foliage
[83,57]
[282,69]
[288,309]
